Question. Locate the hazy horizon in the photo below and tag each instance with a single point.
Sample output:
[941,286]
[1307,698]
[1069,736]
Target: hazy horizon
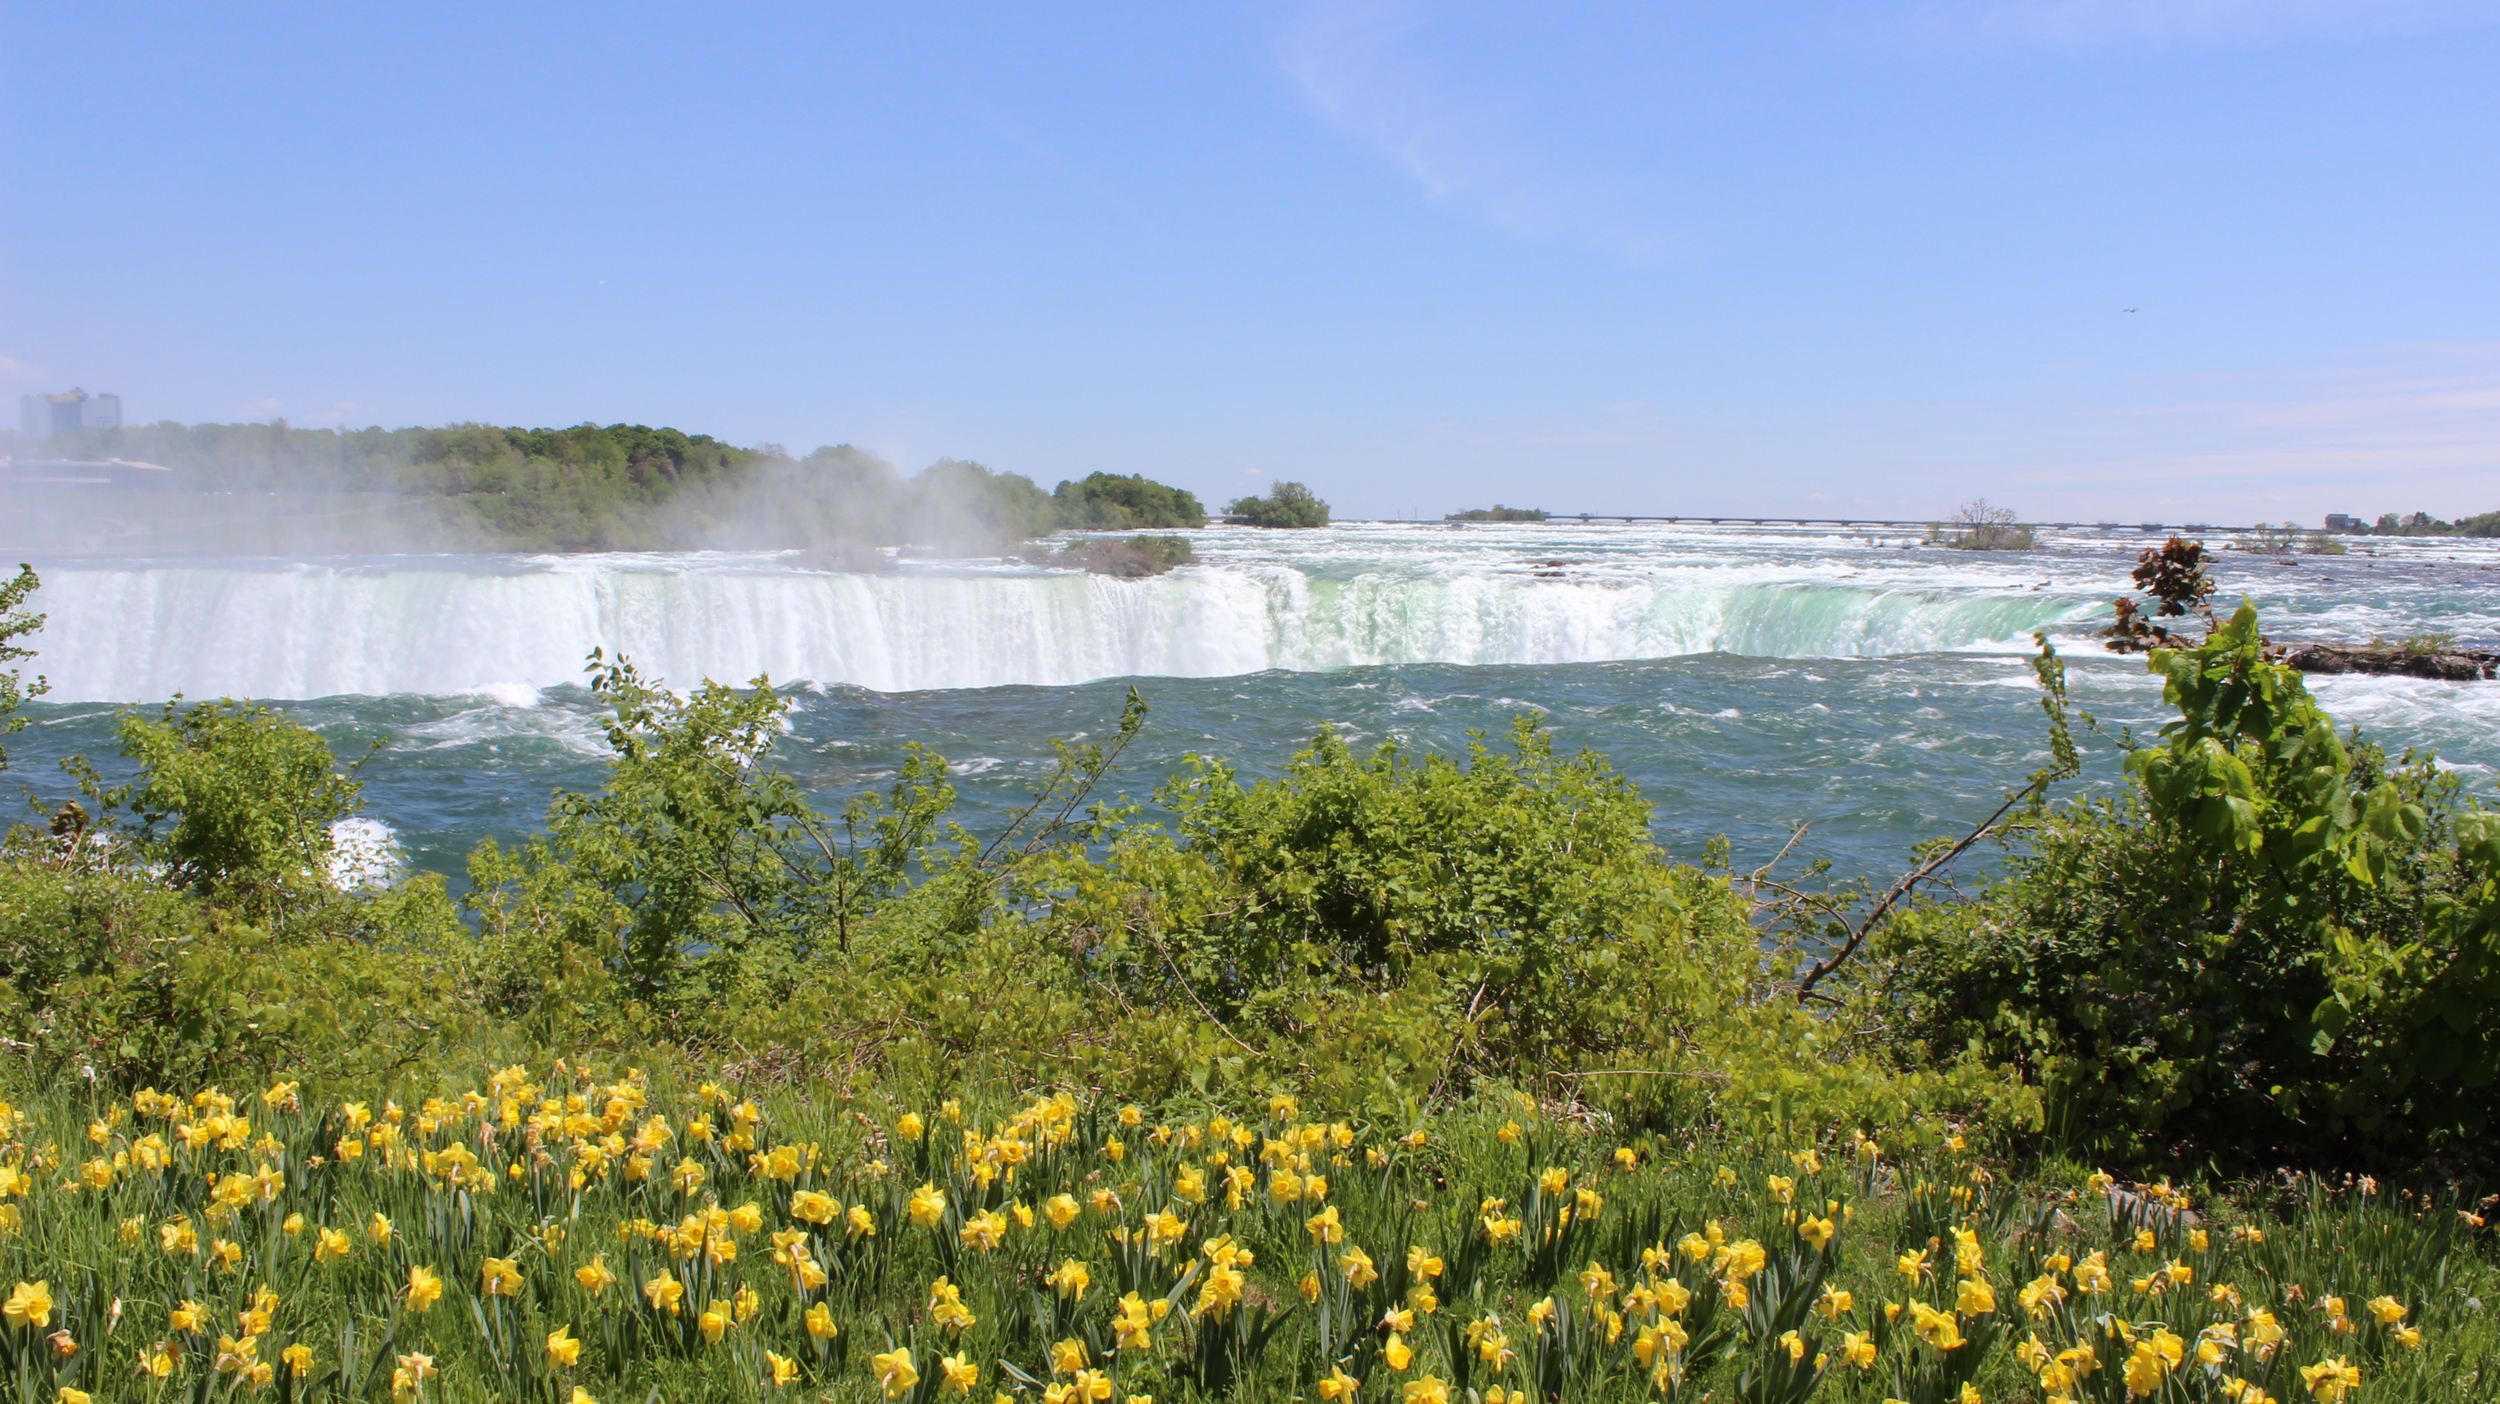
[2219,260]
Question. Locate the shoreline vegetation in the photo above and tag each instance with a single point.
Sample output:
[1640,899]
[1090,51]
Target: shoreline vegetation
[479,487]
[1399,1075]
[2424,524]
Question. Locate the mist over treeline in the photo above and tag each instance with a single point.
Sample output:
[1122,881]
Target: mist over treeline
[594,487]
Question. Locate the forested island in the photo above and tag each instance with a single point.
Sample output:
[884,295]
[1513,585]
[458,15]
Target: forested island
[2486,524]
[594,488]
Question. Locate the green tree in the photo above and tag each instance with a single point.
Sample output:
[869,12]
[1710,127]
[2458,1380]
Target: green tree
[1287,505]
[236,801]
[704,863]
[1125,502]
[16,623]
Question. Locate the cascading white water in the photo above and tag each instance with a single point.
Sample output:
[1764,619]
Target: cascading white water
[139,633]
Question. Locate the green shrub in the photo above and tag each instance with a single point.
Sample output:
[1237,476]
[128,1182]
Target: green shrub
[112,978]
[2275,947]
[1288,505]
[207,940]
[1125,502]
[15,624]
[235,801]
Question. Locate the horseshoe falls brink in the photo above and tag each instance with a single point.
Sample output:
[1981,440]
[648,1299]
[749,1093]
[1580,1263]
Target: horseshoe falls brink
[305,631]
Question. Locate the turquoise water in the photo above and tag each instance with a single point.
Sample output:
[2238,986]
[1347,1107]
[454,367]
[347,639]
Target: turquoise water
[1746,680]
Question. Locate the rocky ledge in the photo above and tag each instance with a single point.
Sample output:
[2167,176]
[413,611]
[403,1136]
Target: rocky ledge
[2395,660]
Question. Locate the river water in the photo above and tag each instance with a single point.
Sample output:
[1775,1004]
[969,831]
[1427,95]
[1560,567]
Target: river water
[1746,678]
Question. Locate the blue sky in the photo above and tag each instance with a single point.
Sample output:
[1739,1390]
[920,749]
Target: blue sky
[1668,257]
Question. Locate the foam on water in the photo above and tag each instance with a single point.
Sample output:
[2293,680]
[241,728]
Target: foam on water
[364,853]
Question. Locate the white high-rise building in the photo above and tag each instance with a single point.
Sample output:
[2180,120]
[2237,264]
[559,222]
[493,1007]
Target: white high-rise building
[42,416]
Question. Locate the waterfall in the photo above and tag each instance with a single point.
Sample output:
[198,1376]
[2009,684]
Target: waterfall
[436,625]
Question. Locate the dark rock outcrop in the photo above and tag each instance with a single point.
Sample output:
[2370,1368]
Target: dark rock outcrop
[2392,660]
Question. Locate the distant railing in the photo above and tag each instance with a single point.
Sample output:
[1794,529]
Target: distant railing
[1920,525]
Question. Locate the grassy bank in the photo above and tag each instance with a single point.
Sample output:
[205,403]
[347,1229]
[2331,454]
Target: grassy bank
[583,1230]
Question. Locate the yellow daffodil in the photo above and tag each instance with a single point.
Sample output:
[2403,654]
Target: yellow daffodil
[2330,1380]
[894,1371]
[424,1289]
[1358,1266]
[30,1305]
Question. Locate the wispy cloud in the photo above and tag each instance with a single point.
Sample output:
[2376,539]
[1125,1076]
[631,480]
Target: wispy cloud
[11,368]
[258,410]
[2403,428]
[1368,68]
[2097,24]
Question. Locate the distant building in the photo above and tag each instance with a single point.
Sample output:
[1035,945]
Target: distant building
[2345,521]
[42,416]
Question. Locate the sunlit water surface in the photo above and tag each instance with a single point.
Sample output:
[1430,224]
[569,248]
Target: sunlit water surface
[1746,679]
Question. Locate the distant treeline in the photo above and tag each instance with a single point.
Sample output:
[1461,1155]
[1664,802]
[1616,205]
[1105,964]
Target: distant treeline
[2424,524]
[1498,513]
[631,487]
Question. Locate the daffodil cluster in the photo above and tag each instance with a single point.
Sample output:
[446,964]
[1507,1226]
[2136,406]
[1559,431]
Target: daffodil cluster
[570,1236]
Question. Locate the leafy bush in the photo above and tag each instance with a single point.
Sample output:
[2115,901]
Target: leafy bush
[1124,502]
[112,978]
[1378,929]
[1288,505]
[2276,947]
[16,624]
[245,799]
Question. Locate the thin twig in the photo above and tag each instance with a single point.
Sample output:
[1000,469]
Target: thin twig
[1903,886]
